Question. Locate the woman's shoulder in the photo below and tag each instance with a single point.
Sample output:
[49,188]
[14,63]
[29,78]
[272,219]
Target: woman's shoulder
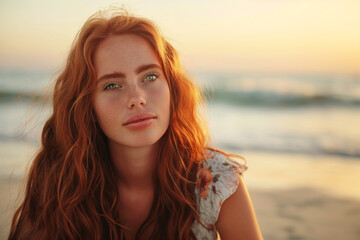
[222,163]
[218,177]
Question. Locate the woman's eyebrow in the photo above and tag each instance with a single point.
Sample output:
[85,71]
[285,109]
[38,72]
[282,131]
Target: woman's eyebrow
[112,75]
[146,67]
[123,75]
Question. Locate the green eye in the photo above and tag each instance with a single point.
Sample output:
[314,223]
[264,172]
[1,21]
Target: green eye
[110,86]
[151,77]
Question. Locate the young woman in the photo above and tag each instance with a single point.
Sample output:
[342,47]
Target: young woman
[124,154]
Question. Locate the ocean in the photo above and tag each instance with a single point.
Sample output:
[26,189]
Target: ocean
[305,114]
[290,113]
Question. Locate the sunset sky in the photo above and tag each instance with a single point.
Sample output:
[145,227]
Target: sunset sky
[311,36]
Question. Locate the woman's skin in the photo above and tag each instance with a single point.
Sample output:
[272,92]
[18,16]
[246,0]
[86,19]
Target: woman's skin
[130,83]
[237,219]
[131,86]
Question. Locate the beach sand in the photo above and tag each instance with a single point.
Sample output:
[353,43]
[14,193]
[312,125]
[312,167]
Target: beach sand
[305,213]
[296,197]
[9,200]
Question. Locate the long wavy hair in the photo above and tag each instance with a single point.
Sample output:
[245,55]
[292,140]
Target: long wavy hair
[71,190]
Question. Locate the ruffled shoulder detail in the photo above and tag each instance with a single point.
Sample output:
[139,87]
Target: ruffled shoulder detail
[217,179]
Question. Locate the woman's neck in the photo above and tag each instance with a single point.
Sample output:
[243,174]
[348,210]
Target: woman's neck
[134,166]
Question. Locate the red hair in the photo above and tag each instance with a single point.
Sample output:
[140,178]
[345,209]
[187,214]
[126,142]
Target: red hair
[71,190]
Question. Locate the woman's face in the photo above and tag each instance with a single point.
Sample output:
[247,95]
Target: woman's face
[132,97]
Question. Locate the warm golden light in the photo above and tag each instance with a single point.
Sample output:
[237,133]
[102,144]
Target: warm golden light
[273,36]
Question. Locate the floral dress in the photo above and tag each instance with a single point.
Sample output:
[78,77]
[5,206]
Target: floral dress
[217,179]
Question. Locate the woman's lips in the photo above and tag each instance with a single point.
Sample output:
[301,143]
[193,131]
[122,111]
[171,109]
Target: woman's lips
[140,124]
[139,121]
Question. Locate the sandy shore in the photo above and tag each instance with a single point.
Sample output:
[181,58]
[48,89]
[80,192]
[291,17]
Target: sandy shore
[297,214]
[9,191]
[296,197]
[304,213]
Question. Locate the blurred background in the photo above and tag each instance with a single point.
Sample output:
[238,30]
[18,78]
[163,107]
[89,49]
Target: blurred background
[283,80]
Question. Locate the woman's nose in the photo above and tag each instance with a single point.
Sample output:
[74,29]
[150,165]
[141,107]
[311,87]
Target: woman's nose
[136,97]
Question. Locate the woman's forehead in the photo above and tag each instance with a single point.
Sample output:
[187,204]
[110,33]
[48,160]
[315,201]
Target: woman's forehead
[123,52]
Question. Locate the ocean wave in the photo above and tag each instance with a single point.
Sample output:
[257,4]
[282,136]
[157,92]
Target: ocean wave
[265,98]
[236,89]
[10,96]
[253,98]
